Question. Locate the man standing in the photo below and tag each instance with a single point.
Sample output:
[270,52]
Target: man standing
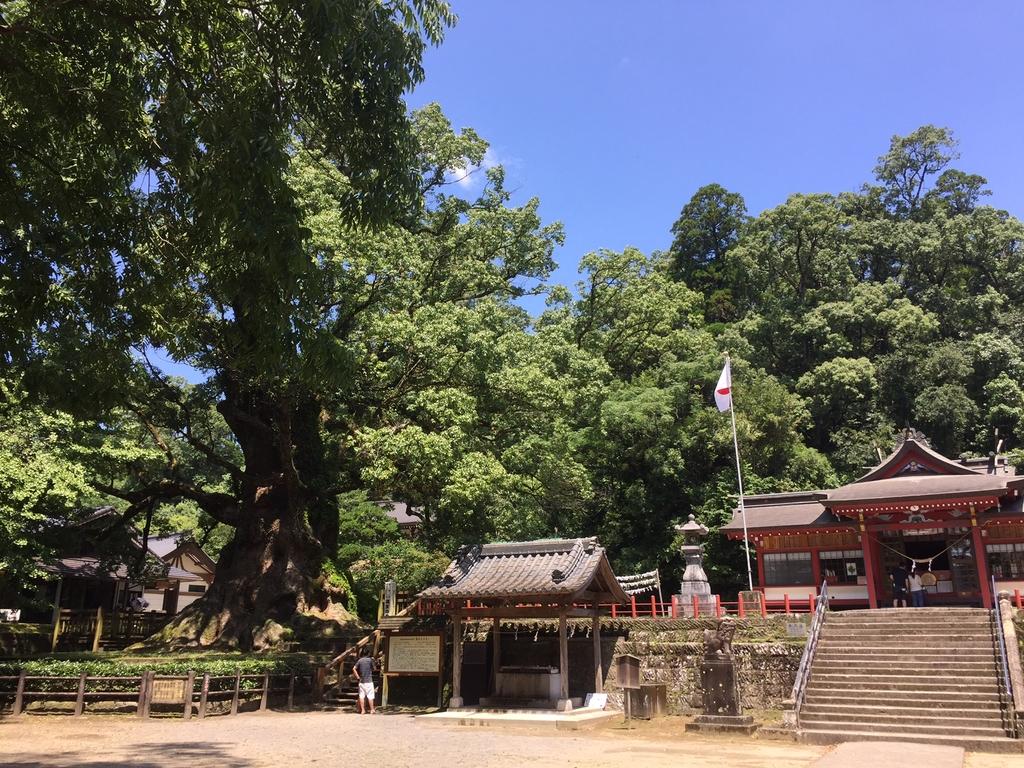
[362,671]
[899,587]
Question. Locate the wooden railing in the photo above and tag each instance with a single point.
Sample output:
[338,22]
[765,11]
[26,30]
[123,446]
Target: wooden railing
[149,688]
[96,629]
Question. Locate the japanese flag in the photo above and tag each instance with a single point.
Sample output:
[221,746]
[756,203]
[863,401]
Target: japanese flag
[723,390]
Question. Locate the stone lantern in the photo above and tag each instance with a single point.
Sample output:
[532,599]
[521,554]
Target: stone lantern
[695,581]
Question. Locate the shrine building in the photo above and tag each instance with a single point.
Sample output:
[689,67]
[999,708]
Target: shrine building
[960,521]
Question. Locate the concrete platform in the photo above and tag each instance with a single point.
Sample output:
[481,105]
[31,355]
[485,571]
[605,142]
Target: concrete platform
[856,754]
[578,719]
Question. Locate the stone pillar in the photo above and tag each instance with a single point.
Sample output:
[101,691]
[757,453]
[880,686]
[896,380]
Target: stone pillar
[598,676]
[564,704]
[456,699]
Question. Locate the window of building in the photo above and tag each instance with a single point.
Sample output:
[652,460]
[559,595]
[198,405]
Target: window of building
[785,568]
[199,588]
[842,566]
[1006,561]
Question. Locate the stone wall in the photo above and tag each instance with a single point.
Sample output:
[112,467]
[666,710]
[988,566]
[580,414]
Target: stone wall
[767,670]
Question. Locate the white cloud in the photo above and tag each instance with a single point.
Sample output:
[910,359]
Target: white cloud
[473,175]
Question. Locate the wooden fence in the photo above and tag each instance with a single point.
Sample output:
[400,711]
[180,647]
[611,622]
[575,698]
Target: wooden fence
[98,629]
[149,688]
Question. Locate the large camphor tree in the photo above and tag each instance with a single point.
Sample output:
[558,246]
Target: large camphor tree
[239,187]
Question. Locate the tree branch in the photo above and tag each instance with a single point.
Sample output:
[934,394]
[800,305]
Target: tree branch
[222,507]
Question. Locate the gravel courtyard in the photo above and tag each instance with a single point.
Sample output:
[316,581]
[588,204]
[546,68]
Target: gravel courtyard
[381,741]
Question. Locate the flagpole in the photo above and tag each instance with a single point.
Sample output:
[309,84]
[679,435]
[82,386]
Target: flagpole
[739,474]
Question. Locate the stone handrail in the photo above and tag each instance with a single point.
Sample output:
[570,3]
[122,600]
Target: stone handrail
[1009,650]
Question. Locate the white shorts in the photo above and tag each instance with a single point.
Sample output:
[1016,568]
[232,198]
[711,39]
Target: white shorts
[366,691]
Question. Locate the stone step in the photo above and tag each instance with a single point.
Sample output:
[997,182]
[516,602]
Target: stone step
[906,617]
[882,713]
[910,663]
[915,626]
[998,744]
[939,628]
[951,656]
[903,682]
[883,637]
[963,670]
[944,700]
[980,646]
[922,630]
[866,724]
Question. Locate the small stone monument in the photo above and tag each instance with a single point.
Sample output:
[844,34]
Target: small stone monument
[694,582]
[720,685]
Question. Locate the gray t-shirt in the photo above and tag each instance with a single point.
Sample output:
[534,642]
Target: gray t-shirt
[364,668]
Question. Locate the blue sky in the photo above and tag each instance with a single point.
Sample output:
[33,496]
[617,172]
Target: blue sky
[613,114]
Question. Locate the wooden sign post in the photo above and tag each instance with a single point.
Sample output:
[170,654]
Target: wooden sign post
[413,655]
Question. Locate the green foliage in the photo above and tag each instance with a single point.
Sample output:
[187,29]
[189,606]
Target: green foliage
[897,305]
[127,666]
[42,480]
[264,209]
[185,516]
[411,567]
[362,525]
[707,227]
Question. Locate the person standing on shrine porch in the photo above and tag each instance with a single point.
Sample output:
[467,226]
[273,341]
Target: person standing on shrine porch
[916,590]
[899,586]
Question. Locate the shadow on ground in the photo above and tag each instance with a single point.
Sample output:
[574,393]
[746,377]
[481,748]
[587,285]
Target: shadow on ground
[157,755]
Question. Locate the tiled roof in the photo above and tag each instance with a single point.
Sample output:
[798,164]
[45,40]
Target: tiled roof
[90,568]
[906,450]
[918,487]
[161,546]
[548,568]
[401,512]
[811,514]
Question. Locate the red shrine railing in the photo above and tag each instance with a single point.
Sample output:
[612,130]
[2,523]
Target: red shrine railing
[673,609]
[677,608]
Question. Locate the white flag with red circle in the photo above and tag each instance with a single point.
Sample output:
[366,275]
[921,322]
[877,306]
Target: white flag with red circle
[723,390]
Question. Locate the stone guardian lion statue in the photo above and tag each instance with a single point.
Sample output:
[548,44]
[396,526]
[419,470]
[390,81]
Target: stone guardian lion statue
[718,641]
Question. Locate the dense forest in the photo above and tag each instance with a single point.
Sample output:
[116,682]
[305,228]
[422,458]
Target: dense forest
[359,330]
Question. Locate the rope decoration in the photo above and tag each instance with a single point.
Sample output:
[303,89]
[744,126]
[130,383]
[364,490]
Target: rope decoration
[922,560]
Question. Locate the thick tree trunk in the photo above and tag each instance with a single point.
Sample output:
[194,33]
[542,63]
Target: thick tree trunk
[271,576]
[268,578]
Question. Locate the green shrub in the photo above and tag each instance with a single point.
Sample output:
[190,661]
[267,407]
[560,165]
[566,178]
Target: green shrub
[73,667]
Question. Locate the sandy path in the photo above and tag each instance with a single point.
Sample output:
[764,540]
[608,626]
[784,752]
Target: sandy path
[382,741]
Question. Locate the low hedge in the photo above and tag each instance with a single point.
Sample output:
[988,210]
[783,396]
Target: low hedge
[93,666]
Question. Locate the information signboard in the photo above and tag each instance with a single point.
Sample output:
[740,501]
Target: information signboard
[414,654]
[168,691]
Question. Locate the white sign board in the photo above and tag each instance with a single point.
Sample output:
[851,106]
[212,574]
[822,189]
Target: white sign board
[414,653]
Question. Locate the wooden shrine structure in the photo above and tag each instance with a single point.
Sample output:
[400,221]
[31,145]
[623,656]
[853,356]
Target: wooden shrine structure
[546,579]
[958,521]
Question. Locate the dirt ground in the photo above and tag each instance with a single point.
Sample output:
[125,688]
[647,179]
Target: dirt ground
[382,741]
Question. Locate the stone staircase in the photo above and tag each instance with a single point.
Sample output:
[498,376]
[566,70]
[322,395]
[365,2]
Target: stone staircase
[928,675]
